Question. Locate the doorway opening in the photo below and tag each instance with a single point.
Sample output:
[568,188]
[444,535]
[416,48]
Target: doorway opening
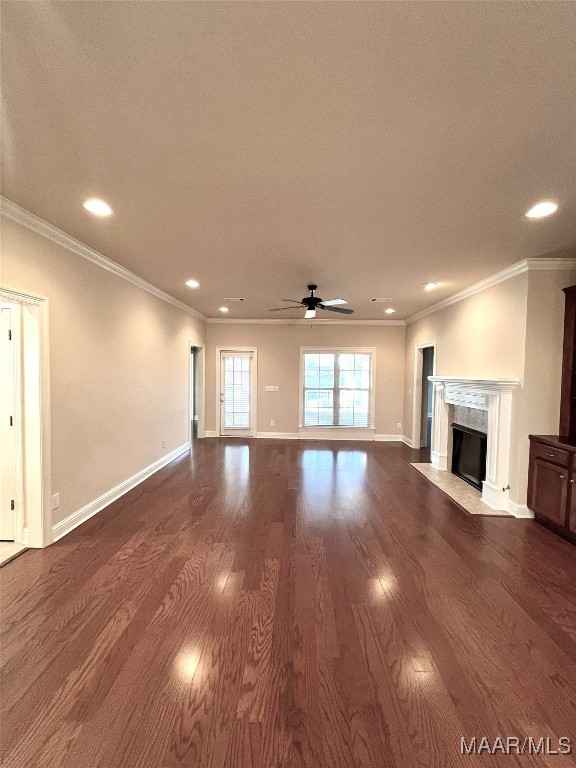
[237,405]
[424,367]
[194,392]
[427,395]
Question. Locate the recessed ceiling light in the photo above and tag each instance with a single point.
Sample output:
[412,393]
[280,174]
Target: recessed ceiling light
[192,283]
[97,207]
[430,286]
[390,311]
[542,209]
[224,309]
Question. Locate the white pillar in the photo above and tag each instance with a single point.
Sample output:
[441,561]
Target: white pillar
[439,452]
[494,491]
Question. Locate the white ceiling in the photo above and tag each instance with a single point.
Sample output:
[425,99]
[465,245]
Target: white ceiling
[367,147]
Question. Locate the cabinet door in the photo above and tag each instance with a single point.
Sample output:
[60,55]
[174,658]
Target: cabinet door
[572,512]
[550,492]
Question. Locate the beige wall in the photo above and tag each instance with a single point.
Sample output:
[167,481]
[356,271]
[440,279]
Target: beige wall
[543,360]
[510,330]
[482,336]
[119,362]
[119,366]
[279,363]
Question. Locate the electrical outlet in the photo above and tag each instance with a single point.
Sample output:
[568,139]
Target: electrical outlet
[271,423]
[399,425]
[55,501]
[163,443]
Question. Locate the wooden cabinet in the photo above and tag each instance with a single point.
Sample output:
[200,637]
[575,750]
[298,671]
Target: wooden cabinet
[550,491]
[552,473]
[552,483]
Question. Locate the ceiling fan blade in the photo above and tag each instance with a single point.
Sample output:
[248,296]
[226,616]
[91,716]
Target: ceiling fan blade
[292,300]
[333,302]
[282,309]
[310,313]
[341,310]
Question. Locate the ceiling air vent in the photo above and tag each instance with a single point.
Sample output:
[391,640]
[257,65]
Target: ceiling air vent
[382,301]
[229,298]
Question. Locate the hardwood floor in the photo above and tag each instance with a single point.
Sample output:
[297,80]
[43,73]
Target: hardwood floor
[270,603]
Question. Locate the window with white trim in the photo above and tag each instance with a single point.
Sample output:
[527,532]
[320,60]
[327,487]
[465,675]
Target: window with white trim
[337,389]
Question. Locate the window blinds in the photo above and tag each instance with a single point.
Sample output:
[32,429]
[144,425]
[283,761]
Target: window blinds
[337,389]
[236,391]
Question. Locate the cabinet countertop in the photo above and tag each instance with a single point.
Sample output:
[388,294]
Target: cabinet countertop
[557,441]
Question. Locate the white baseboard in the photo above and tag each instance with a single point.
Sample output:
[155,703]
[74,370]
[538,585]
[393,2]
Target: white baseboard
[331,434]
[519,510]
[88,510]
[277,435]
[406,441]
[210,433]
[321,436]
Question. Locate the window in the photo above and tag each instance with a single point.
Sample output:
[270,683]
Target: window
[337,389]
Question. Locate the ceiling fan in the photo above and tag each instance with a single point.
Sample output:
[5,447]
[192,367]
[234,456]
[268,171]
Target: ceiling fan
[312,303]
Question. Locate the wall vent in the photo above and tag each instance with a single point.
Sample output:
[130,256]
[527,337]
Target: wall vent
[382,301]
[229,298]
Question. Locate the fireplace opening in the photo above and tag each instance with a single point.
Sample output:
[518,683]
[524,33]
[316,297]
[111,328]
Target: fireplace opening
[469,454]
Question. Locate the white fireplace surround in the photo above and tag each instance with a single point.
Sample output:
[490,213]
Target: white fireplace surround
[493,396]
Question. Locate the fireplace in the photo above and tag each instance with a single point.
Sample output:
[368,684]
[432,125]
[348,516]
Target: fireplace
[469,448]
[495,397]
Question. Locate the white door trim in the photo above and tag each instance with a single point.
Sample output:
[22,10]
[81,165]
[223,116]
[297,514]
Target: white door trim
[16,412]
[253,387]
[35,387]
[417,391]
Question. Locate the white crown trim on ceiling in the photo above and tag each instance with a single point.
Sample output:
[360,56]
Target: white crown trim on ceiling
[20,215]
[36,224]
[519,268]
[315,321]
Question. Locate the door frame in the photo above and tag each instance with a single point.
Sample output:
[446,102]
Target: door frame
[417,391]
[16,328]
[200,382]
[36,508]
[253,388]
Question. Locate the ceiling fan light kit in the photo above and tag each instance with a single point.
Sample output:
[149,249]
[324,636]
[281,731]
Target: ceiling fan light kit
[312,303]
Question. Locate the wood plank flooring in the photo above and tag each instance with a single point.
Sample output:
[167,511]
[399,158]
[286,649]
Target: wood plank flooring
[258,604]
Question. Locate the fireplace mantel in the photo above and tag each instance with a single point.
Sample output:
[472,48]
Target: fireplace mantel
[493,396]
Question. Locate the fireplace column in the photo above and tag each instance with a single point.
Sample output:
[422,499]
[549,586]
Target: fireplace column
[439,452]
[494,488]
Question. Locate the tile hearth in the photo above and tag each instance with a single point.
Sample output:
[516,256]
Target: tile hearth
[459,491]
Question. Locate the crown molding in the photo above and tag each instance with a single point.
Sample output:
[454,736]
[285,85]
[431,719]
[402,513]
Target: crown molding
[36,224]
[526,265]
[551,264]
[315,321]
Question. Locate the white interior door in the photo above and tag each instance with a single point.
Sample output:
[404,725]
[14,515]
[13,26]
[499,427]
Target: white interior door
[236,371]
[7,427]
